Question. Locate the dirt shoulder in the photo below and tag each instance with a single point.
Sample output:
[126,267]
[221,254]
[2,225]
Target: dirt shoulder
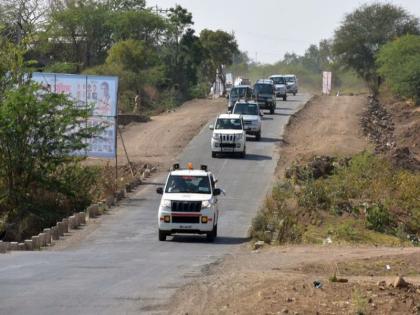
[160,140]
[281,280]
[327,125]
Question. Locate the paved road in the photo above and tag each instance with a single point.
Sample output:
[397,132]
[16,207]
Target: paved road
[122,268]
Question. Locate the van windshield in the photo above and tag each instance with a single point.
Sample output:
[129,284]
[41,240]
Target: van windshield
[279,80]
[246,109]
[188,184]
[229,123]
[238,92]
[263,88]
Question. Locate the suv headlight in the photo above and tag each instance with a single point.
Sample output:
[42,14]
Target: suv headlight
[166,204]
[239,137]
[216,136]
[205,204]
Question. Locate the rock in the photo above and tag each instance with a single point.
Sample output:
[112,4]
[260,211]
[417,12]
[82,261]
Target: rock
[381,283]
[259,244]
[285,311]
[399,283]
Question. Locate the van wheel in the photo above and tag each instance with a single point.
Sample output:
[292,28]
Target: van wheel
[162,236]
[285,98]
[211,236]
[272,110]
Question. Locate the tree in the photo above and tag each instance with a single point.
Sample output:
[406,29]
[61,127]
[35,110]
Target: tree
[365,31]
[220,47]
[399,63]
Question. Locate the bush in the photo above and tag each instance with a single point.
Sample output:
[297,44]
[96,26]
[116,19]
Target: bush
[399,63]
[378,218]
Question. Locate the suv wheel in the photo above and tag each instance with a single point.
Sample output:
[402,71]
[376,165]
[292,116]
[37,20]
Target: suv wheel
[213,154]
[285,98]
[243,153]
[294,94]
[258,136]
[272,108]
[211,236]
[162,236]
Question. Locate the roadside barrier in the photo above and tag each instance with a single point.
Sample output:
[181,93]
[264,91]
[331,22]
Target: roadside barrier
[49,236]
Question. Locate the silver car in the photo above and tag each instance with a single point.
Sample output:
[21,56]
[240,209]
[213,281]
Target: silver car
[280,85]
[292,83]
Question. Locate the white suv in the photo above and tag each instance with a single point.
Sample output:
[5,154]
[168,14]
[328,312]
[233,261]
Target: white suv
[228,135]
[251,115]
[189,203]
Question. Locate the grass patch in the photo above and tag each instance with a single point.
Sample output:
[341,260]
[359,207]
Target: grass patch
[359,200]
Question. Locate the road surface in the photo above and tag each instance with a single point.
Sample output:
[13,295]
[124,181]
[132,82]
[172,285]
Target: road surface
[122,268]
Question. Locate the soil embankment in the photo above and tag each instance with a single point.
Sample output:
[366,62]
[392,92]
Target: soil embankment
[297,279]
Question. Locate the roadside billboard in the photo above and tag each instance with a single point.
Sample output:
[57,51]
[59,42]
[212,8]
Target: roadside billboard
[100,92]
[326,82]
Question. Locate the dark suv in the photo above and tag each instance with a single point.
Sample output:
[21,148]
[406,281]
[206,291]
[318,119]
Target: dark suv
[265,94]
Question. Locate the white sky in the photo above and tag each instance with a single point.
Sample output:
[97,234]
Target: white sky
[267,29]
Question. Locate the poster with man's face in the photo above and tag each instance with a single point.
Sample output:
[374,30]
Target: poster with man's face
[100,92]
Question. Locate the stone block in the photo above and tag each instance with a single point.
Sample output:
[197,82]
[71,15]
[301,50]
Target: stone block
[60,228]
[36,242]
[42,239]
[72,222]
[13,246]
[47,236]
[29,245]
[66,225]
[93,211]
[21,246]
[3,247]
[82,217]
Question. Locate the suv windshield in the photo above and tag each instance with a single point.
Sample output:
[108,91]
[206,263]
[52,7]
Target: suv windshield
[228,123]
[246,109]
[279,80]
[238,92]
[263,88]
[290,79]
[188,184]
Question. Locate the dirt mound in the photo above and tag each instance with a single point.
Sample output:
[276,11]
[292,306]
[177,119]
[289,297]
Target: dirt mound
[328,126]
[396,140]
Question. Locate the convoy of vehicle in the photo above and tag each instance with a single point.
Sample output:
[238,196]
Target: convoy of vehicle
[189,203]
[237,93]
[229,136]
[189,197]
[251,115]
[265,94]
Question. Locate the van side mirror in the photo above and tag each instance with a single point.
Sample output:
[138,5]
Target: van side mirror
[217,192]
[159,190]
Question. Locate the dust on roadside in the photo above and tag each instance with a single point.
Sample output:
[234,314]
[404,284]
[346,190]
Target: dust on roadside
[281,280]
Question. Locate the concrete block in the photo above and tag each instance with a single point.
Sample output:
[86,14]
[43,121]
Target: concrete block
[47,236]
[35,242]
[76,220]
[110,201]
[29,245]
[43,239]
[3,247]
[72,222]
[82,217]
[93,211]
[60,228]
[66,225]
[13,246]
[21,246]
[54,234]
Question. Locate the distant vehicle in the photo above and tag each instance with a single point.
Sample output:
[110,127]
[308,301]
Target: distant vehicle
[189,203]
[228,135]
[280,85]
[245,81]
[292,83]
[251,116]
[237,93]
[265,94]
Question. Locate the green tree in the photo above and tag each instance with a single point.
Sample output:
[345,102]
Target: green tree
[363,32]
[220,47]
[38,133]
[399,64]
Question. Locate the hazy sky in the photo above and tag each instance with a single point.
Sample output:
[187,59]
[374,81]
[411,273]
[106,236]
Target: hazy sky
[267,29]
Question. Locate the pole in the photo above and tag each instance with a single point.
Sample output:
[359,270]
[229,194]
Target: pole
[125,151]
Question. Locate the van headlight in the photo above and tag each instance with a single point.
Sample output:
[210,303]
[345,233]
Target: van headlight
[205,204]
[166,204]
